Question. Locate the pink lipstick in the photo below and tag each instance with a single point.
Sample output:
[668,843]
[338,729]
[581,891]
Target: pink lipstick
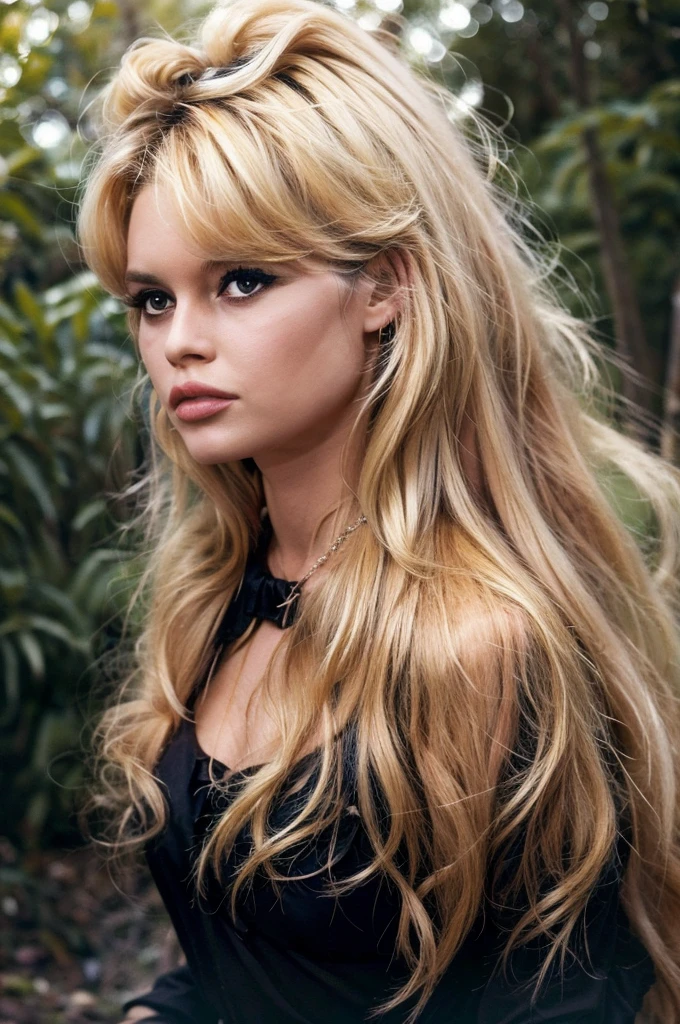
[194,401]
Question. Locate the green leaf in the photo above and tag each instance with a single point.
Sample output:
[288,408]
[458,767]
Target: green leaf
[55,411]
[93,571]
[22,158]
[38,807]
[10,662]
[21,400]
[580,240]
[88,513]
[31,308]
[31,477]
[58,731]
[8,348]
[7,516]
[13,584]
[14,209]
[78,286]
[57,629]
[33,653]
[8,317]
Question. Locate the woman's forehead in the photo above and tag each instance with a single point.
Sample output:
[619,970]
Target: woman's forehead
[234,181]
[157,219]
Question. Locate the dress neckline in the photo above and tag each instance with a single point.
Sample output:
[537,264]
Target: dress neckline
[205,760]
[259,596]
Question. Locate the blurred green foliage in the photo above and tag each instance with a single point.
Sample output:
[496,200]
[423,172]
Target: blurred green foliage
[64,430]
[67,437]
[515,68]
[642,145]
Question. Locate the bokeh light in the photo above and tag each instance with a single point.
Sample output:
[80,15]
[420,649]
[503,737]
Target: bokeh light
[79,13]
[512,11]
[437,52]
[56,88]
[421,40]
[50,130]
[598,11]
[40,27]
[469,96]
[370,21]
[482,13]
[592,50]
[586,25]
[455,16]
[10,71]
[470,30]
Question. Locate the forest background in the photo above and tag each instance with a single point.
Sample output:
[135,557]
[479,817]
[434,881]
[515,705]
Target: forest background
[588,96]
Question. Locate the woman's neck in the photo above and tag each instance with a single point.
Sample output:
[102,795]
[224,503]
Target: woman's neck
[308,507]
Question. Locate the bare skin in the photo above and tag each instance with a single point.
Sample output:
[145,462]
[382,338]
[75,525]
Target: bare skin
[298,353]
[234,731]
[139,1013]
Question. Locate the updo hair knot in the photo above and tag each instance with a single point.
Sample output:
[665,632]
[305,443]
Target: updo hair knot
[160,79]
[153,75]
[210,73]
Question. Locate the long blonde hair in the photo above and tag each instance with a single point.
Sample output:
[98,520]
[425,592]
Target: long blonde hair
[458,603]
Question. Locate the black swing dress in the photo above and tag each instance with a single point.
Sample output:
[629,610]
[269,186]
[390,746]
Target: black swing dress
[300,956]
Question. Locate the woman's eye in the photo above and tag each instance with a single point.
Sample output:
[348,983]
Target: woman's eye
[152,303]
[238,284]
[244,282]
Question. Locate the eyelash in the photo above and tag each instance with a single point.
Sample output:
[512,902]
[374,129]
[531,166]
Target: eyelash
[139,300]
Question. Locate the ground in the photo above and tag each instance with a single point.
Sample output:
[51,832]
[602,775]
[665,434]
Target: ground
[75,942]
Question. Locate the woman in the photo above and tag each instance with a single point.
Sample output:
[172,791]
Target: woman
[401,737]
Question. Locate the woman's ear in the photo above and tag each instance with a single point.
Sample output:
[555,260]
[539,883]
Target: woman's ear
[390,273]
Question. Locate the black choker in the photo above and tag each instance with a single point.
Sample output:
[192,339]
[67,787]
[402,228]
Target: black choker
[259,594]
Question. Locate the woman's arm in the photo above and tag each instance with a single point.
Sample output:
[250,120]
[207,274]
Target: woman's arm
[174,999]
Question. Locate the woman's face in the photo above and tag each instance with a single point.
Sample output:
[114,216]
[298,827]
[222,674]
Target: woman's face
[292,347]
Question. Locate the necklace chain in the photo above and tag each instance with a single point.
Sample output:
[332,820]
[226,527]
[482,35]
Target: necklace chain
[334,546]
[323,558]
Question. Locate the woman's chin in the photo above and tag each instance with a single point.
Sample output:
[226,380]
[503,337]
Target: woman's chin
[215,454]
[215,458]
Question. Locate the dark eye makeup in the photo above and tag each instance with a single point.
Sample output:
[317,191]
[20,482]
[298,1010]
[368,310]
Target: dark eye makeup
[246,277]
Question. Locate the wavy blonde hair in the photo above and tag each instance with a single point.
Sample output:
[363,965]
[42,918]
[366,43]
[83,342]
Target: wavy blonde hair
[287,132]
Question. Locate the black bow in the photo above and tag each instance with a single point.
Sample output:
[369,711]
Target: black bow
[265,594]
[260,596]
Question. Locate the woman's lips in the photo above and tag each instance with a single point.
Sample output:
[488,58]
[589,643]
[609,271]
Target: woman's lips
[190,410]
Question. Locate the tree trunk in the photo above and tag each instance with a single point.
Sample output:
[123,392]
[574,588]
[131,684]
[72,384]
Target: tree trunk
[629,330]
[547,98]
[131,25]
[631,344]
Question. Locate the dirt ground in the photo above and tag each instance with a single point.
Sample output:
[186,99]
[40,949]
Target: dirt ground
[76,943]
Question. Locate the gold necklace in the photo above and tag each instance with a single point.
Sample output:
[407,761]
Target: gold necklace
[323,558]
[285,604]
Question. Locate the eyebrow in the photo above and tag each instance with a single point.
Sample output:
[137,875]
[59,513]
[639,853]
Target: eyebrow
[139,277]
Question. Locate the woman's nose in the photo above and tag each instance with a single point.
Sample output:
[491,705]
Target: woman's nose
[190,336]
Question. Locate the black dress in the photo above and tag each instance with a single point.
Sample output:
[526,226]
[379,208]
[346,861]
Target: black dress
[301,956]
